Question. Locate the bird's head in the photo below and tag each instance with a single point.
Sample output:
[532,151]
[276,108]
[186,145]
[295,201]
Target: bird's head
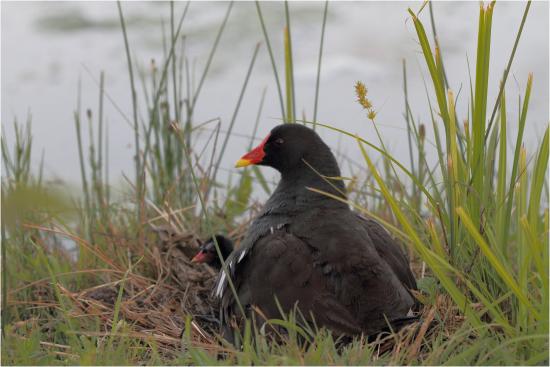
[207,251]
[287,147]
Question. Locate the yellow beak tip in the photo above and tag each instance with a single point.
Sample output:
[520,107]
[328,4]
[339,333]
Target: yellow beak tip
[242,163]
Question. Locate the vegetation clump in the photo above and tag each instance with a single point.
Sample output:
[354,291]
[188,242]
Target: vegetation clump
[107,278]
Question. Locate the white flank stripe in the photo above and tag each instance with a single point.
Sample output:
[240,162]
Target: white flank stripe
[220,285]
[243,253]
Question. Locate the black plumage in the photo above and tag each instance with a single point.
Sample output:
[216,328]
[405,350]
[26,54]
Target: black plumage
[207,251]
[305,248]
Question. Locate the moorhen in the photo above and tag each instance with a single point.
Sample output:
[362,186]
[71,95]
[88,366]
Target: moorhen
[310,251]
[207,251]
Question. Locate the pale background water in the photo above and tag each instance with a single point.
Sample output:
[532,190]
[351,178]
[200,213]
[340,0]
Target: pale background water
[47,46]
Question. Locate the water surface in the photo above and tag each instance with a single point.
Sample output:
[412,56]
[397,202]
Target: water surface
[48,46]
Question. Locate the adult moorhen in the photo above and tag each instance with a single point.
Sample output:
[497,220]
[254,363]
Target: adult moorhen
[208,254]
[310,250]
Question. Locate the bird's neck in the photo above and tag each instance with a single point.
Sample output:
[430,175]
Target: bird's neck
[312,186]
[226,248]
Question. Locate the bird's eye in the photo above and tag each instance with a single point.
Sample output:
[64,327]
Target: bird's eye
[279,141]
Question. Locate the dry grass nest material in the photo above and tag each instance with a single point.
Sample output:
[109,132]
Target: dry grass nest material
[153,307]
[158,308]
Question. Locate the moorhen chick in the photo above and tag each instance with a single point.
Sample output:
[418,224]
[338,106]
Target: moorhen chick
[207,251]
[343,271]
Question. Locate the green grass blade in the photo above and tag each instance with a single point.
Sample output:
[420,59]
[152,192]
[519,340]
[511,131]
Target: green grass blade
[430,61]
[272,58]
[458,297]
[504,273]
[436,42]
[537,183]
[480,108]
[211,55]
[508,66]
[519,140]
[385,154]
[289,70]
[236,111]
[502,239]
[318,79]
[137,157]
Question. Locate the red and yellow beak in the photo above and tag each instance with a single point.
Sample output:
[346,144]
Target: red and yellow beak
[200,257]
[255,156]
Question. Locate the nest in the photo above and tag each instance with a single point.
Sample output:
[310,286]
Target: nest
[157,309]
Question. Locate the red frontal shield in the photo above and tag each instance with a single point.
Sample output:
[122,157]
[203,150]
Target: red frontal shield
[255,156]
